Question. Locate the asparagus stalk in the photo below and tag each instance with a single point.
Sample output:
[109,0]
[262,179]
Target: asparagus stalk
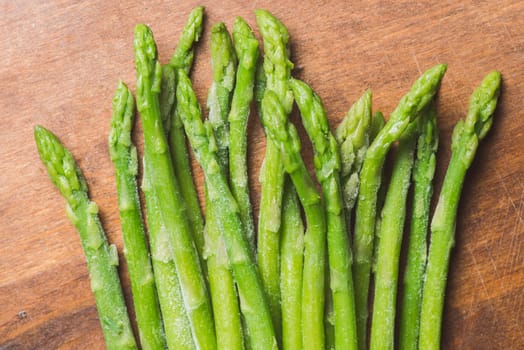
[246,47]
[409,106]
[377,123]
[277,71]
[253,306]
[389,242]
[183,59]
[291,268]
[224,298]
[176,322]
[353,138]
[423,171]
[327,166]
[102,259]
[165,187]
[124,156]
[466,136]
[184,53]
[285,137]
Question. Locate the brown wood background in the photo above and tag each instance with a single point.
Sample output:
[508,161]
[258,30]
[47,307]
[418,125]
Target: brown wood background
[59,65]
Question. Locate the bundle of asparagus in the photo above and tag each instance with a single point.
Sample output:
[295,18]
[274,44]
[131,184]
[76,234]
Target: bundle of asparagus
[219,284]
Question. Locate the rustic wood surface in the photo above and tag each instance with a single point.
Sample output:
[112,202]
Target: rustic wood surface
[59,65]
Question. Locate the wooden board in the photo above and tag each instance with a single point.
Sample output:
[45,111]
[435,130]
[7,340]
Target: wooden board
[59,65]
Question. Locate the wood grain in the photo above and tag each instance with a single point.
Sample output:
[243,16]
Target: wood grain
[59,64]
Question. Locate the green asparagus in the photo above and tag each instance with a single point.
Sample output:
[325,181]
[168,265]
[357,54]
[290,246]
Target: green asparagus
[255,311]
[423,171]
[291,264]
[377,123]
[165,187]
[464,143]
[353,138]
[389,240]
[409,106]
[184,53]
[183,59]
[246,47]
[124,156]
[221,284]
[327,166]
[102,259]
[176,322]
[285,137]
[277,71]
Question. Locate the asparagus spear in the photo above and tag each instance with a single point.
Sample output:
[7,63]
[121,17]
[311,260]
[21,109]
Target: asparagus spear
[291,264]
[377,123]
[353,138]
[253,306]
[423,171]
[277,70]
[102,258]
[124,156]
[184,53]
[165,187]
[246,47]
[327,166]
[389,242]
[176,322]
[466,136]
[409,106]
[285,137]
[183,59]
[222,286]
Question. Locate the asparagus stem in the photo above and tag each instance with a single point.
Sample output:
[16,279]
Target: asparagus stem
[291,269]
[246,47]
[389,242]
[285,137]
[102,259]
[124,156]
[173,212]
[183,59]
[466,136]
[277,71]
[184,53]
[409,106]
[224,298]
[353,138]
[327,166]
[253,306]
[176,321]
[423,171]
[377,123]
